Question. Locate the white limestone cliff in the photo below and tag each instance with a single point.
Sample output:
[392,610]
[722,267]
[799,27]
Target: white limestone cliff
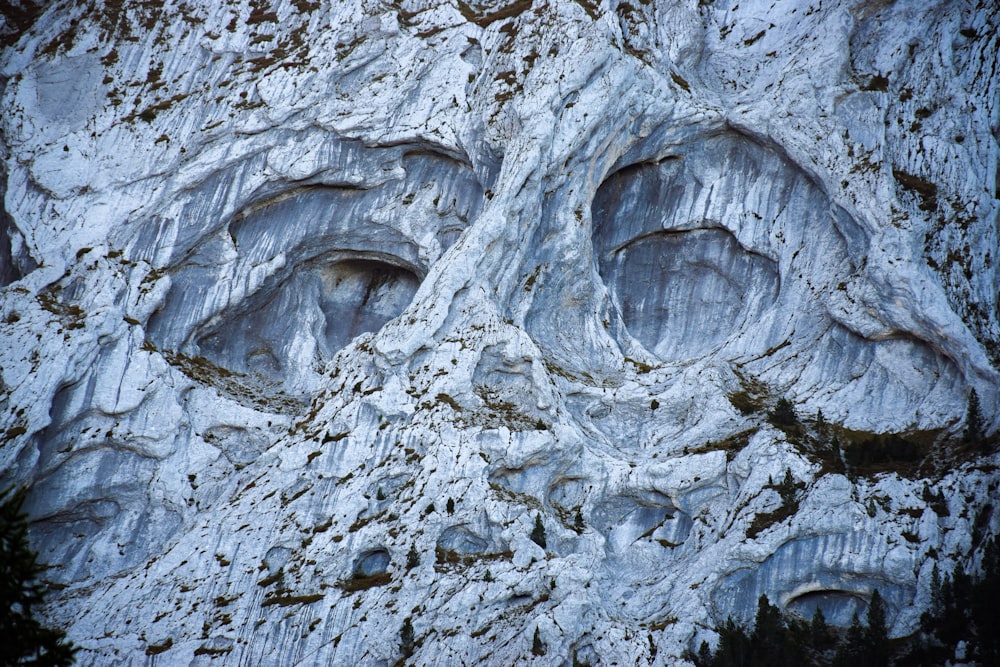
[292,290]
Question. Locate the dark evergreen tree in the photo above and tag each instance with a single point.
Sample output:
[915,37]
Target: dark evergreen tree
[538,532]
[406,640]
[578,524]
[876,644]
[771,641]
[953,625]
[704,658]
[783,413]
[849,652]
[974,422]
[23,639]
[412,557]
[837,454]
[962,610]
[985,594]
[820,635]
[734,648]
[767,638]
[537,646]
[928,618]
[787,487]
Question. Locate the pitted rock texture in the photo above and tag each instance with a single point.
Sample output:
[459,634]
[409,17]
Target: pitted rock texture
[313,313]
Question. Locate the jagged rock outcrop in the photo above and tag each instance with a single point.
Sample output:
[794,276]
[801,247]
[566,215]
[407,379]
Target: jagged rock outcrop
[311,310]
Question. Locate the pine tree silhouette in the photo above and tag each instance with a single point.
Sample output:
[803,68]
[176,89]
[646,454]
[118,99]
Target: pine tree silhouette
[876,634]
[538,532]
[412,557]
[23,639]
[537,645]
[973,421]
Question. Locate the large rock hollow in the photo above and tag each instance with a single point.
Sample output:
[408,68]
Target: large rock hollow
[291,280]
[698,247]
[319,309]
[682,293]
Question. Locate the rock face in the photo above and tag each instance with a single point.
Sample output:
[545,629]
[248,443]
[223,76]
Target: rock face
[323,320]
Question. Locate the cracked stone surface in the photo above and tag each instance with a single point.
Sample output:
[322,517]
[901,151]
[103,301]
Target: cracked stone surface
[310,311]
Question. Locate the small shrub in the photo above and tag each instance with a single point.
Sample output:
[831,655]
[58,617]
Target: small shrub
[936,501]
[820,425]
[289,600]
[765,520]
[877,83]
[364,582]
[156,649]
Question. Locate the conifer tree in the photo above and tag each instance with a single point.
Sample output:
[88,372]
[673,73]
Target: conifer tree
[963,609]
[819,631]
[787,487]
[23,639]
[734,646]
[985,594]
[937,602]
[537,646]
[849,653]
[772,642]
[412,557]
[783,413]
[406,640]
[876,634]
[953,626]
[839,462]
[538,532]
[973,421]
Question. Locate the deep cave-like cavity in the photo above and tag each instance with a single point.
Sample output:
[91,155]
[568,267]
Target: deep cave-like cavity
[683,293]
[462,540]
[317,310]
[698,248]
[682,285]
[838,607]
[836,573]
[372,563]
[292,279]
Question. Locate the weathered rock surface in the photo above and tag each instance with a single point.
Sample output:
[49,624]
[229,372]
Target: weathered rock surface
[309,310]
